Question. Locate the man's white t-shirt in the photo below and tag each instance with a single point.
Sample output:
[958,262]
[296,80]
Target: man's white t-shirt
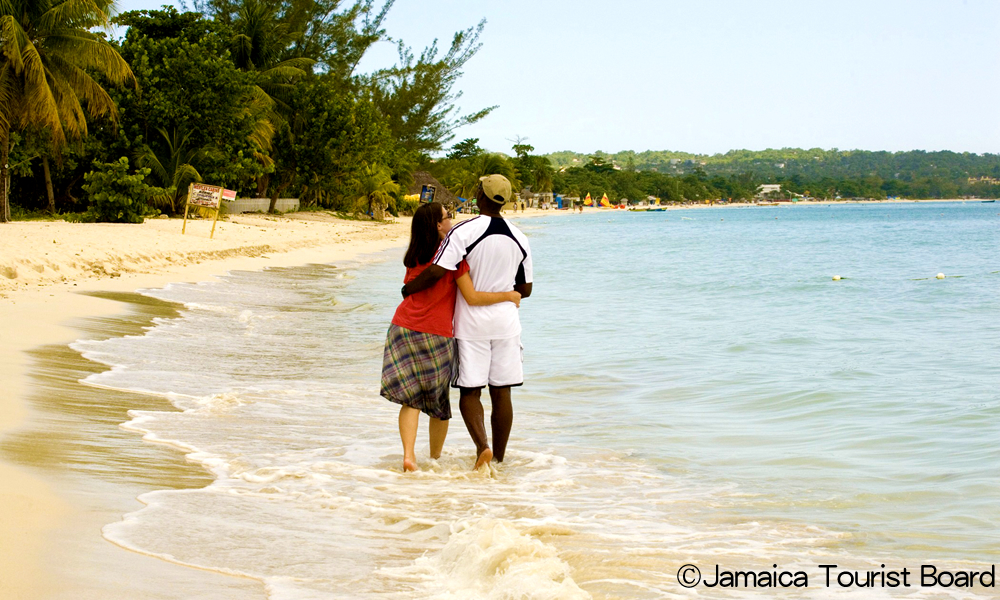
[498,257]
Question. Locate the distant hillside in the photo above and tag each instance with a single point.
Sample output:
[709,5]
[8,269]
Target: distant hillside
[809,164]
[810,173]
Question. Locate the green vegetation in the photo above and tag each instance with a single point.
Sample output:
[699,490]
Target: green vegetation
[49,61]
[467,162]
[257,96]
[262,96]
[117,196]
[816,173]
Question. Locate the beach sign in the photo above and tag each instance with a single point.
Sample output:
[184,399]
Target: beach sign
[206,197]
[427,193]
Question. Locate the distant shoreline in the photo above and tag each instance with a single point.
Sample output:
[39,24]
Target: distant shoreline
[800,203]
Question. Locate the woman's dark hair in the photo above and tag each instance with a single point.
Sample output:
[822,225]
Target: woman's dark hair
[424,239]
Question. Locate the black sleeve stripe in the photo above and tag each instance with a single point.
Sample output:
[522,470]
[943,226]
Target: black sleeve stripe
[520,277]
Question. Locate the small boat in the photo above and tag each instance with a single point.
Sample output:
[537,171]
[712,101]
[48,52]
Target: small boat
[988,201]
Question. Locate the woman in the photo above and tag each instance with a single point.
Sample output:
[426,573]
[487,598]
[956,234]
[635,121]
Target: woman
[420,352]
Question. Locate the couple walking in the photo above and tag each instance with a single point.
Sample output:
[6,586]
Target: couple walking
[458,323]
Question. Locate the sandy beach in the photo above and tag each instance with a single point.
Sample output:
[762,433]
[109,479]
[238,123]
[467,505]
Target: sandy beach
[56,276]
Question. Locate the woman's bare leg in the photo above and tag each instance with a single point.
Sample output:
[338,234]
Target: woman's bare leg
[409,418]
[438,431]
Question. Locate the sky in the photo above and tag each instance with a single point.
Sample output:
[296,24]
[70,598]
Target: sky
[708,76]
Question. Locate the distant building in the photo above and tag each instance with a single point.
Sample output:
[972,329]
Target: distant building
[768,188]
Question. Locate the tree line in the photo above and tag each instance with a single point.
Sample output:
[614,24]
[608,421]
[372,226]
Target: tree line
[260,96]
[817,173]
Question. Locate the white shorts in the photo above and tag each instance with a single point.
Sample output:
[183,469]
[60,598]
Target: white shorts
[494,362]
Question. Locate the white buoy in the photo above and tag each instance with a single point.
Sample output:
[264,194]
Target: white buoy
[836,277]
[940,275]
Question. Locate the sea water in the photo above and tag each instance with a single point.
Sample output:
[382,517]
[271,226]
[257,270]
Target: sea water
[699,390]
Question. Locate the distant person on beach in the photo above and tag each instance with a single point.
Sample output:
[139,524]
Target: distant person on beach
[419,359]
[489,337]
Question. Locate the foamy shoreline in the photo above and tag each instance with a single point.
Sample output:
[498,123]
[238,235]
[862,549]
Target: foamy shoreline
[46,271]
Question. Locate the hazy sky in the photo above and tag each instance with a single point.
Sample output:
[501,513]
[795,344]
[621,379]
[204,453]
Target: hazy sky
[713,75]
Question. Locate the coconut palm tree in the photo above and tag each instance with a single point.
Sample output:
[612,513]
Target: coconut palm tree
[47,55]
[463,180]
[262,42]
[375,188]
[174,167]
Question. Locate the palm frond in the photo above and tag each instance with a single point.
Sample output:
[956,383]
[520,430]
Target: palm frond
[89,51]
[38,95]
[12,40]
[99,103]
[145,157]
[184,176]
[85,14]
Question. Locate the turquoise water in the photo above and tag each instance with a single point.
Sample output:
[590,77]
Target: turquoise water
[716,345]
[698,390]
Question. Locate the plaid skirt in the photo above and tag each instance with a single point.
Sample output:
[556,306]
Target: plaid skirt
[417,370]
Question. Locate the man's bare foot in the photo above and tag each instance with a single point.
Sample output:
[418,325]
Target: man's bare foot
[484,458]
[409,465]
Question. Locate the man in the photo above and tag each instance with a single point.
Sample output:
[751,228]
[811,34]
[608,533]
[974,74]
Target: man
[489,337]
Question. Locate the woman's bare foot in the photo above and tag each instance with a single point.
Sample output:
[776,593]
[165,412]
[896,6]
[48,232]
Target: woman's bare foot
[409,465]
[484,459]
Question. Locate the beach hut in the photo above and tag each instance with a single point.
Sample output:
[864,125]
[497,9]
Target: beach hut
[429,188]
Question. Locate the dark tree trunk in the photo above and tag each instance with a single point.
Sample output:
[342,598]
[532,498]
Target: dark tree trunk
[48,185]
[4,200]
[275,192]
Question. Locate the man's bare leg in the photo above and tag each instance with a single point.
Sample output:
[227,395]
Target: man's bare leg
[501,419]
[438,431]
[472,413]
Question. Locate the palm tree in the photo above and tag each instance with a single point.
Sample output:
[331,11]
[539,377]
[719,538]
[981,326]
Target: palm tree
[463,180]
[261,42]
[46,51]
[174,168]
[375,188]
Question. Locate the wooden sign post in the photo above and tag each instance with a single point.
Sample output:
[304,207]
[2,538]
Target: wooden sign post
[205,196]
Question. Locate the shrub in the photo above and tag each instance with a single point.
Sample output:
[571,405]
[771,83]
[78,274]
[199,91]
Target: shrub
[407,206]
[115,195]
